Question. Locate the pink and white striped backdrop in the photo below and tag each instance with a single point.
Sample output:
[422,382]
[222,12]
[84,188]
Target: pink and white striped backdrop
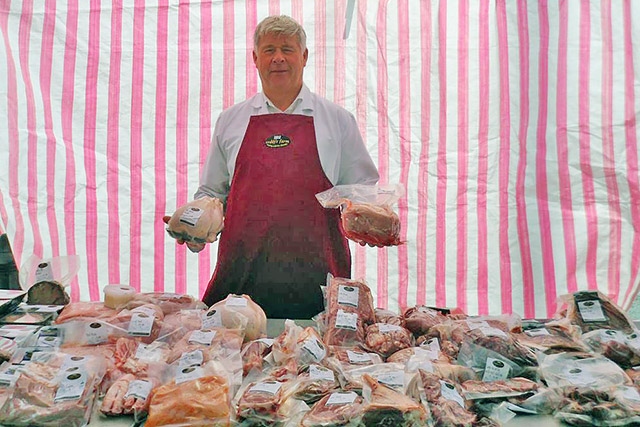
[512,124]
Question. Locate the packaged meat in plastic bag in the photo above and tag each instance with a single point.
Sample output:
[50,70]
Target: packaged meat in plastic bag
[351,293]
[238,312]
[196,396]
[393,375]
[366,213]
[581,370]
[46,280]
[622,348]
[54,389]
[343,327]
[386,406]
[339,408]
[419,319]
[198,221]
[167,301]
[555,336]
[386,339]
[253,354]
[129,395]
[315,381]
[592,310]
[604,407]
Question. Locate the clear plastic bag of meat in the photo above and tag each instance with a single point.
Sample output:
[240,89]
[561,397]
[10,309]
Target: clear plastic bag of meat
[130,395]
[85,309]
[253,354]
[167,301]
[197,395]
[54,389]
[386,339]
[591,310]
[366,212]
[392,375]
[386,406]
[343,327]
[612,406]
[554,336]
[419,319]
[620,347]
[383,315]
[443,398]
[315,381]
[265,401]
[581,370]
[238,312]
[46,280]
[337,409]
[354,294]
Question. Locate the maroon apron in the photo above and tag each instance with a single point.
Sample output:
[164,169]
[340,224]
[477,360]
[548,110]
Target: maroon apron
[278,242]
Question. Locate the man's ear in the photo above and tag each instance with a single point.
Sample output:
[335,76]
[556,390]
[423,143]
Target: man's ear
[255,57]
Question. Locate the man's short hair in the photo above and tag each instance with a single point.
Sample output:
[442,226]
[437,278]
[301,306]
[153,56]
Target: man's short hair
[279,25]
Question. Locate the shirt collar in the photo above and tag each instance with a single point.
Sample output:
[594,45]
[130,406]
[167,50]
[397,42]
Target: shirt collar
[302,103]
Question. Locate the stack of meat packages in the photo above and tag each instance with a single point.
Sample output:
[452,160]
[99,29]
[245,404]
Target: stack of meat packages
[167,359]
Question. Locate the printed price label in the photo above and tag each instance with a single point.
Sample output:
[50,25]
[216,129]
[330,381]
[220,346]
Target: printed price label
[345,320]
[359,358]
[212,319]
[44,272]
[342,398]
[319,373]
[348,295]
[449,392]
[538,332]
[579,377]
[191,358]
[432,345]
[96,333]
[270,387]
[475,324]
[393,379]
[139,389]
[495,370]
[9,376]
[72,385]
[49,337]
[191,215]
[140,325]
[591,311]
[492,332]
[72,362]
[385,328]
[204,337]
[189,373]
[315,349]
[236,302]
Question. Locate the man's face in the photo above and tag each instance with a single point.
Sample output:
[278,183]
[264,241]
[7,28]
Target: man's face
[280,63]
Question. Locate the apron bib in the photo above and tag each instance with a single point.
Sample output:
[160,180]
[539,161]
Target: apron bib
[278,242]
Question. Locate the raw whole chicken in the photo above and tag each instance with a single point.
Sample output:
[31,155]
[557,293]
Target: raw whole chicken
[366,223]
[198,221]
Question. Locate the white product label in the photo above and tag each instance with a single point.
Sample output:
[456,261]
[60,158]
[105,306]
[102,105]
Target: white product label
[317,372]
[9,376]
[348,295]
[236,302]
[475,324]
[492,332]
[591,311]
[140,325]
[449,392]
[270,387]
[577,376]
[359,358]
[72,385]
[385,328]
[44,272]
[630,393]
[72,362]
[43,308]
[212,319]
[49,338]
[432,345]
[537,332]
[611,335]
[139,389]
[346,320]
[191,358]
[342,398]
[393,379]
[189,373]
[204,337]
[495,370]
[191,215]
[633,340]
[96,333]
[315,349]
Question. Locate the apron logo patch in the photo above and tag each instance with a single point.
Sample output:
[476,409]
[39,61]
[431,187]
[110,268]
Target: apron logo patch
[277,141]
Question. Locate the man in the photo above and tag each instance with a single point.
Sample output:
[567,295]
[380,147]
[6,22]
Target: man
[268,158]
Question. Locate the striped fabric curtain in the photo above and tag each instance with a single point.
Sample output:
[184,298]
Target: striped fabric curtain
[511,124]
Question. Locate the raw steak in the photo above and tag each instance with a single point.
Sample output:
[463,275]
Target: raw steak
[365,223]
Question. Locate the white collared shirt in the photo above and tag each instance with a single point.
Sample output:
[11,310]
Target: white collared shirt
[343,155]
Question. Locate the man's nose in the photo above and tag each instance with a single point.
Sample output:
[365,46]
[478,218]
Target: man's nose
[278,56]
